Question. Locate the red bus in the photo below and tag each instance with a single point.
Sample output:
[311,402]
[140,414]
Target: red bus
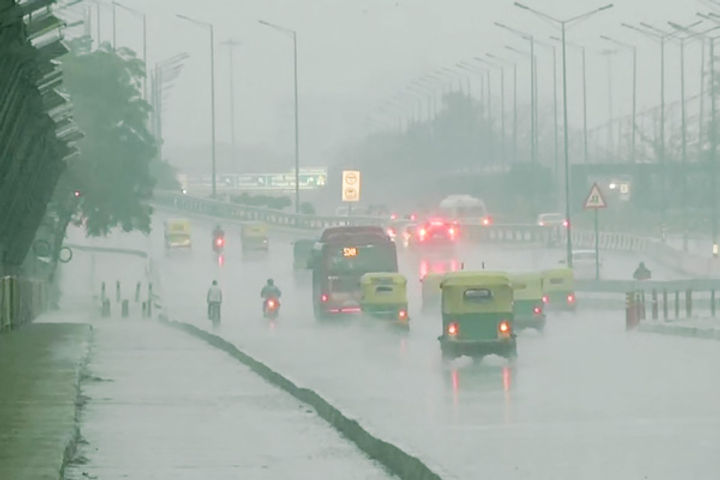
[340,258]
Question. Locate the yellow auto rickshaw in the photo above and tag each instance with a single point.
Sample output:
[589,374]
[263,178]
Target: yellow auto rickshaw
[558,287]
[384,295]
[528,309]
[177,233]
[477,315]
[431,291]
[254,236]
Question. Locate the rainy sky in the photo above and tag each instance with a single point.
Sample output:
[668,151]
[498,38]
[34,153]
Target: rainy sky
[355,55]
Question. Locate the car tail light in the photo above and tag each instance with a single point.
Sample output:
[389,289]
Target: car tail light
[537,310]
[566,223]
[570,299]
[452,232]
[402,314]
[487,221]
[545,299]
[504,327]
[422,232]
[453,329]
[324,298]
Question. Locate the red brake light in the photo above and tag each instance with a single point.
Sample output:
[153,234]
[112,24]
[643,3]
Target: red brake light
[537,310]
[504,327]
[571,298]
[541,223]
[546,299]
[566,223]
[451,231]
[402,314]
[487,221]
[393,216]
[219,241]
[453,329]
[422,232]
[324,298]
[271,303]
[413,217]
[391,232]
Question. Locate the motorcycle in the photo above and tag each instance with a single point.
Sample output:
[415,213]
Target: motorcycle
[214,313]
[218,244]
[271,308]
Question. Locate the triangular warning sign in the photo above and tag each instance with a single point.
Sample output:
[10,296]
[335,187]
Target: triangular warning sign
[595,198]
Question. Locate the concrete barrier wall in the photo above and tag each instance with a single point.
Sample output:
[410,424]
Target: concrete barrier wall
[21,301]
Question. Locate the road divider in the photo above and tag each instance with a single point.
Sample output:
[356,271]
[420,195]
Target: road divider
[393,458]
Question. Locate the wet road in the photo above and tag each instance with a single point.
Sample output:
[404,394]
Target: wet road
[584,400]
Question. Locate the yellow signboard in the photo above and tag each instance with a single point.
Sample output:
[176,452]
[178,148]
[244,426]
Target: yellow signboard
[351,186]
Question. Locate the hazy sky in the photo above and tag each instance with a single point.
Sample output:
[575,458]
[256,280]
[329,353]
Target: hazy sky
[355,54]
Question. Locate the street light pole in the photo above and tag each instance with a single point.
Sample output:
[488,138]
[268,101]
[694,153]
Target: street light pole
[563,24]
[633,49]
[533,88]
[231,57]
[583,56]
[293,34]
[144,40]
[212,93]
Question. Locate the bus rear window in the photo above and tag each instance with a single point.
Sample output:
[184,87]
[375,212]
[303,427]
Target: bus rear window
[478,295]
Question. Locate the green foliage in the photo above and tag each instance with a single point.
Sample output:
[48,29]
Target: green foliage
[307,208]
[265,201]
[112,171]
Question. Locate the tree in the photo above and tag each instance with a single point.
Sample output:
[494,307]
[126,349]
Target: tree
[111,175]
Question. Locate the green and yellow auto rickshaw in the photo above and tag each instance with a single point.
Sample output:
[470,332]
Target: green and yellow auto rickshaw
[431,291]
[558,286]
[254,236]
[527,301]
[302,251]
[384,295]
[477,315]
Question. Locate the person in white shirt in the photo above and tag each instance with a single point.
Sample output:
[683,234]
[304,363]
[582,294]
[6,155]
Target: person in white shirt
[214,296]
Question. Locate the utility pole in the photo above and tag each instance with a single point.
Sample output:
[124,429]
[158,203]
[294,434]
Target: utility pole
[232,44]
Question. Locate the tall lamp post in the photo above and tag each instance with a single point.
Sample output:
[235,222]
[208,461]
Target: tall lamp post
[633,49]
[293,34]
[503,144]
[533,89]
[231,44]
[713,132]
[563,26]
[211,29]
[515,112]
[142,15]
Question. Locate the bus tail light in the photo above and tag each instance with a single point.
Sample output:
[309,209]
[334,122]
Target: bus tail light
[504,327]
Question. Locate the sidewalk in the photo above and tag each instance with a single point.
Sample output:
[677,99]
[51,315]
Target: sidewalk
[164,405]
[39,372]
[695,327]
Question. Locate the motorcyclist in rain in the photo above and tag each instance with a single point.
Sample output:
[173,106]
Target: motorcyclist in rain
[214,297]
[270,290]
[642,272]
[218,232]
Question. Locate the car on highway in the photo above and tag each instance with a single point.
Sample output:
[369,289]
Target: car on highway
[435,232]
[584,263]
[550,220]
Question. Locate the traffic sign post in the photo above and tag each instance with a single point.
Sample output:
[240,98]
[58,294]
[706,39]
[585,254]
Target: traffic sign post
[350,187]
[596,201]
